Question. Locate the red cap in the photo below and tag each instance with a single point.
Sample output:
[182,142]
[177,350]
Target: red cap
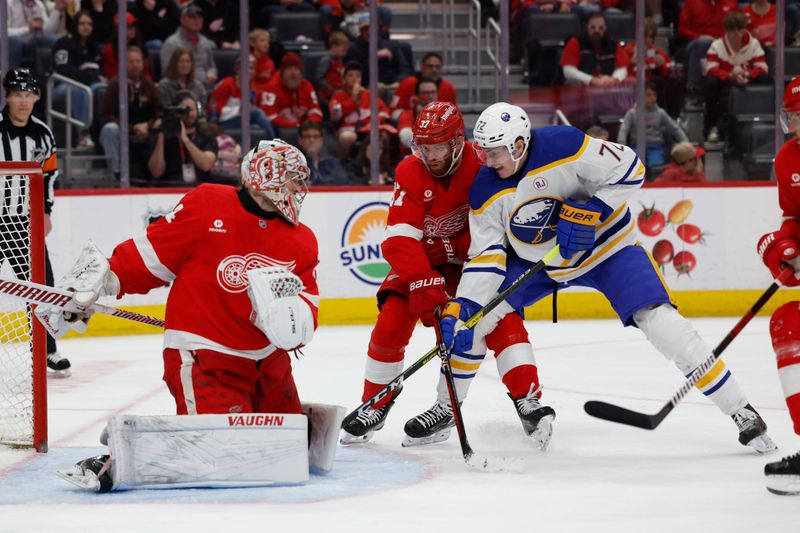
[791,96]
[291,59]
[129,18]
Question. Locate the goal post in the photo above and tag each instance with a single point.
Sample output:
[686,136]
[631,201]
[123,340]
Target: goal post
[23,352]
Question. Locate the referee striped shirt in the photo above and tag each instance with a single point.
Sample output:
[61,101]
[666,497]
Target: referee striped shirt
[32,142]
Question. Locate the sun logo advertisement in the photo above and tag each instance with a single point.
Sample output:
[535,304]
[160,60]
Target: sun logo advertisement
[361,243]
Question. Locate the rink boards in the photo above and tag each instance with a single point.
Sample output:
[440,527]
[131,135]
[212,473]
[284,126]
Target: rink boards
[703,237]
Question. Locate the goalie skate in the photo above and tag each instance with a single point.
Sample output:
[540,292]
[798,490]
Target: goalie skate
[59,366]
[537,419]
[90,474]
[361,429]
[753,430]
[429,427]
[783,477]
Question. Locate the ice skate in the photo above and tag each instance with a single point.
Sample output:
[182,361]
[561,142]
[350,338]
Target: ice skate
[537,419]
[92,474]
[783,477]
[59,366]
[753,430]
[430,427]
[362,427]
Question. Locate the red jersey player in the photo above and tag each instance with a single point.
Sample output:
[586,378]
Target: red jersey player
[426,242]
[781,249]
[224,350]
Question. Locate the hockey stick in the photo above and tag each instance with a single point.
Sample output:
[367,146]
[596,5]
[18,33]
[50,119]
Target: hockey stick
[393,385]
[42,294]
[477,462]
[615,413]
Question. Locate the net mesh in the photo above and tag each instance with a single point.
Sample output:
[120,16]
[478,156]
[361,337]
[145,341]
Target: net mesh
[16,338]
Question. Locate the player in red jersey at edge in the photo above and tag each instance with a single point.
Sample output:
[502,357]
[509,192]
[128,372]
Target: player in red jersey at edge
[227,335]
[426,243]
[781,249]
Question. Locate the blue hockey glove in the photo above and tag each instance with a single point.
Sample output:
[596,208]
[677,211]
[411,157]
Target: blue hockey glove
[576,225]
[455,313]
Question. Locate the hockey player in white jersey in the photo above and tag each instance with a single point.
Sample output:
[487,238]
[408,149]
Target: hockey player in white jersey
[558,186]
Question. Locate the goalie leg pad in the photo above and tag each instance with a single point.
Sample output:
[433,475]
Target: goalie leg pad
[325,422]
[677,340]
[233,450]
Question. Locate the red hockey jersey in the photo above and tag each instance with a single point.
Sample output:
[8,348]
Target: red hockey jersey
[408,88]
[787,173]
[289,109]
[205,247]
[424,206]
[350,113]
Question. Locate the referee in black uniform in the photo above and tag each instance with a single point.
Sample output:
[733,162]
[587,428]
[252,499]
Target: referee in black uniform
[23,137]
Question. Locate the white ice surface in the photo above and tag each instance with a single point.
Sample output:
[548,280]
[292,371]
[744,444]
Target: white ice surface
[690,474]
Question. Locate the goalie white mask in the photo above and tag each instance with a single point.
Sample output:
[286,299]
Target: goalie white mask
[279,171]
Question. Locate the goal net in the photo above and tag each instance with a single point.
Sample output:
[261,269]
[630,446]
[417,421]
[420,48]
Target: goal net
[23,364]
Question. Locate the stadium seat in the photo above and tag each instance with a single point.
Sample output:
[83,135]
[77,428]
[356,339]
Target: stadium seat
[289,26]
[760,150]
[552,29]
[791,62]
[43,62]
[752,103]
[621,26]
[154,61]
[225,59]
[311,59]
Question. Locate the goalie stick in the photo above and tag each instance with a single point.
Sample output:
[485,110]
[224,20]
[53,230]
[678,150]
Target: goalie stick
[615,413]
[473,460]
[397,382]
[42,294]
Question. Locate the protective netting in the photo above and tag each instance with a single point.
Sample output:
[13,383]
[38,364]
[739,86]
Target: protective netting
[16,338]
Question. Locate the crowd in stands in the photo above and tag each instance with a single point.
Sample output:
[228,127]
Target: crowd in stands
[184,110]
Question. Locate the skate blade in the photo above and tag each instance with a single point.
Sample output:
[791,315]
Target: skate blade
[348,439]
[763,444]
[439,436]
[784,485]
[543,433]
[495,463]
[83,481]
[60,374]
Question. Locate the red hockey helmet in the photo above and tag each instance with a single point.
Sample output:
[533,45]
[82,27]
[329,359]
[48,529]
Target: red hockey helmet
[439,133]
[279,171]
[790,114]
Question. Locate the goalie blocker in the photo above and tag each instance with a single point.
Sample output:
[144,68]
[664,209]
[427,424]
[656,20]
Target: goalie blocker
[228,450]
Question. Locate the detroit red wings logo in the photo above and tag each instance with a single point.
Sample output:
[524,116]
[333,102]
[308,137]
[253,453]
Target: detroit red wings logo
[232,271]
[446,225]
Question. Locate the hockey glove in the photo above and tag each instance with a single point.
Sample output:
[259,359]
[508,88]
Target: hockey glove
[441,250]
[454,335]
[278,311]
[576,225]
[777,252]
[90,277]
[426,292]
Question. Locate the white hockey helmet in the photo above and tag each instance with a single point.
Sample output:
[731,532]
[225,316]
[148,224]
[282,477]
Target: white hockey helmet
[270,167]
[501,124]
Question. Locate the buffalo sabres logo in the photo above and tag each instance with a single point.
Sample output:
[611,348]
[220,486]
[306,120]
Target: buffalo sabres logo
[534,221]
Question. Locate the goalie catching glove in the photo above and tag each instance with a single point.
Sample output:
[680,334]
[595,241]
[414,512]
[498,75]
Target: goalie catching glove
[89,278]
[278,311]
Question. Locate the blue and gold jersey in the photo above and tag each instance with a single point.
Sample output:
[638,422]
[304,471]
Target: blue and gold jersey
[522,211]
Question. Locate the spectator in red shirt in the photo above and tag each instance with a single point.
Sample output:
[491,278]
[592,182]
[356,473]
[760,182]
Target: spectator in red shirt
[288,100]
[430,67]
[350,108]
[259,48]
[427,92]
[688,165]
[658,64]
[761,25]
[109,50]
[226,101]
[593,58]
[330,68]
[736,59]
[701,23]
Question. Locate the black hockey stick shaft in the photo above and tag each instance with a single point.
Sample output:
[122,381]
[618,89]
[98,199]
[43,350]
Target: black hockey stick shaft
[444,355]
[615,413]
[392,386]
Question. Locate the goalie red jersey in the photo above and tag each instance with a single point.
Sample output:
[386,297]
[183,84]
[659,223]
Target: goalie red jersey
[205,247]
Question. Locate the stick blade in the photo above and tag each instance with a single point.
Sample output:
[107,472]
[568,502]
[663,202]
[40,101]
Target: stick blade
[615,413]
[495,463]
